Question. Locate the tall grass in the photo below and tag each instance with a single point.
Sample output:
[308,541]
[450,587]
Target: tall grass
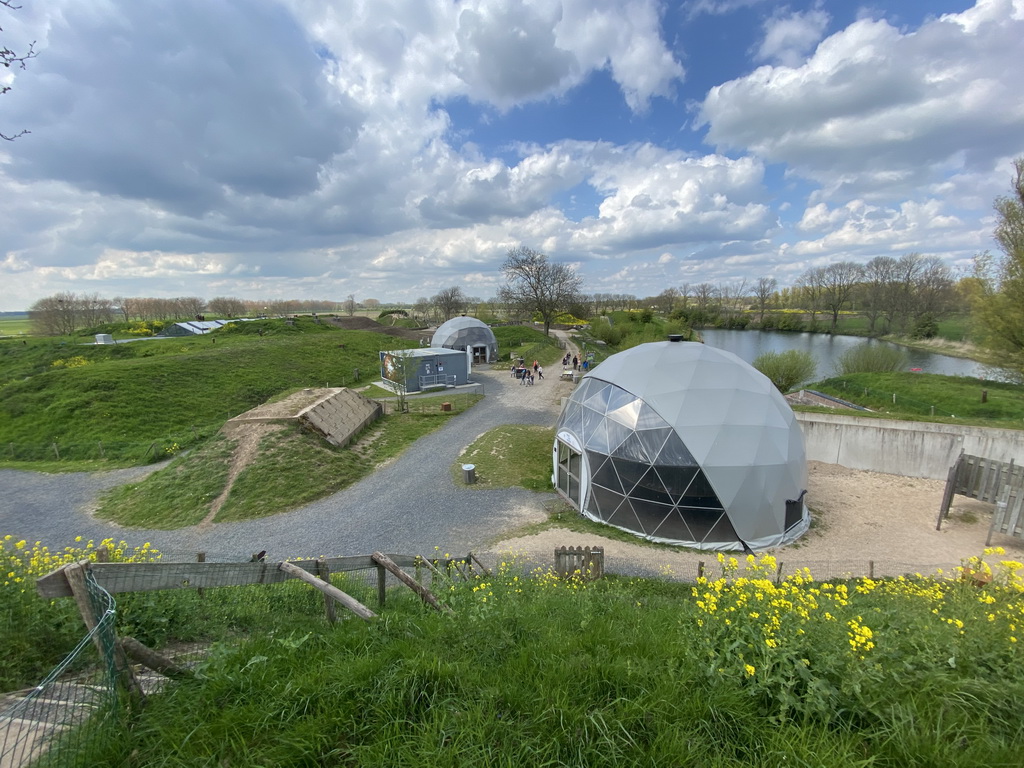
[741,670]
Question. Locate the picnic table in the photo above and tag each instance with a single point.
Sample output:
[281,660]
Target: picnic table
[567,374]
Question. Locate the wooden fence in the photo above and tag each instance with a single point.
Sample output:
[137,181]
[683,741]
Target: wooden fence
[996,482]
[581,562]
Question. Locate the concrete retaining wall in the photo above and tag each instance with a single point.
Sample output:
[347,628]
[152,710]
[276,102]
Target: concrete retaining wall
[912,449]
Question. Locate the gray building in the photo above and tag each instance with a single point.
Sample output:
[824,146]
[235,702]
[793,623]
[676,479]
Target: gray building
[684,444]
[423,369]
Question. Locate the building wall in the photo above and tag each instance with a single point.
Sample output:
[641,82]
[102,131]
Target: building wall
[911,449]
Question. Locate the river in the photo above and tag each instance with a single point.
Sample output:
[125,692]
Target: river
[826,349]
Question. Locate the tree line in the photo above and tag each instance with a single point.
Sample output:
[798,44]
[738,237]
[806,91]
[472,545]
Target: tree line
[67,312]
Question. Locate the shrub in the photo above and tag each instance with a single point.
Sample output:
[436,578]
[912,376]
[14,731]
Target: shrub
[871,358]
[787,369]
[925,327]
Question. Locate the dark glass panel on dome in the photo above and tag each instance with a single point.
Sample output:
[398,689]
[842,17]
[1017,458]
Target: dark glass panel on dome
[574,486]
[677,480]
[700,488]
[650,514]
[603,502]
[653,440]
[633,449]
[674,527]
[622,516]
[617,434]
[605,474]
[675,453]
[711,525]
[630,472]
[651,488]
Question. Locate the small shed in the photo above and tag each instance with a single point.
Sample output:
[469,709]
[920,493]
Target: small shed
[417,370]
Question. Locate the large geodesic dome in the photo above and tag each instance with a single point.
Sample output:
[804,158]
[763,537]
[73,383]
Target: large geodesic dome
[685,444]
[468,334]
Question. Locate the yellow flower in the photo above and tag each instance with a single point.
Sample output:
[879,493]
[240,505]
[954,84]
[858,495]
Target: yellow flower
[749,670]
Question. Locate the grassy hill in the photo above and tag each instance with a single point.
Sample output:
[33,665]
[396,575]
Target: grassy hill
[116,401]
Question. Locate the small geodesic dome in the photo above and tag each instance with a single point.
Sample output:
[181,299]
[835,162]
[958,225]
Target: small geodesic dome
[686,444]
[467,334]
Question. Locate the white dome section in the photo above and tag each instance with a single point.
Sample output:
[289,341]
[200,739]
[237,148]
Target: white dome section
[467,333]
[687,444]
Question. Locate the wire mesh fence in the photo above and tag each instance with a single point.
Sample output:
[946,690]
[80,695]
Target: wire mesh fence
[48,719]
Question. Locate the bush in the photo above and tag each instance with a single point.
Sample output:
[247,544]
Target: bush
[925,327]
[787,369]
[871,358]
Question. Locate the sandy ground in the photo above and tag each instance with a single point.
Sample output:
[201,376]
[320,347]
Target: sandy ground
[863,523]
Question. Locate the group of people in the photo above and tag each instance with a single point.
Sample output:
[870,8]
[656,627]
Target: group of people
[576,363]
[527,375]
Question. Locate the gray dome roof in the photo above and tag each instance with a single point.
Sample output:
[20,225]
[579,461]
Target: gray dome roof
[729,421]
[463,332]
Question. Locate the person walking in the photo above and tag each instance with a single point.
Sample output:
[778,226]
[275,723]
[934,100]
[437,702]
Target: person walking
[540,372]
[575,363]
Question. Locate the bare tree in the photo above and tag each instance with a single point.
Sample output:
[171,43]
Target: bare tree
[350,305]
[226,306]
[877,288]
[837,284]
[764,290]
[810,284]
[449,302]
[535,284]
[10,58]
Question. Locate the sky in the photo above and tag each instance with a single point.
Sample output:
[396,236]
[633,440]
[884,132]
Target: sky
[306,149]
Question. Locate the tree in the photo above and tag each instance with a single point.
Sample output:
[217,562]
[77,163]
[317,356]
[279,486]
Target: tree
[350,305]
[764,290]
[226,306]
[877,287]
[999,304]
[11,58]
[535,284]
[837,283]
[449,302]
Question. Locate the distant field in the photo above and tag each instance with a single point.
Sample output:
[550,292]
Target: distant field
[14,326]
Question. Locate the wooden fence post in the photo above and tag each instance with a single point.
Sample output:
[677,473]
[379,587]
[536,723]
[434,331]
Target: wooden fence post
[75,575]
[425,594]
[324,572]
[56,452]
[200,558]
[348,601]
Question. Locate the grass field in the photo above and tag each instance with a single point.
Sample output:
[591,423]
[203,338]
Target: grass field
[737,670]
[931,397]
[131,403]
[15,326]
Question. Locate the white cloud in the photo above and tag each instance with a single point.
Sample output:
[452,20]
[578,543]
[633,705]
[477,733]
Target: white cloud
[789,37]
[880,109]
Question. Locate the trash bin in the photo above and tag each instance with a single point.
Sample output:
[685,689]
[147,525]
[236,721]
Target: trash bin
[469,473]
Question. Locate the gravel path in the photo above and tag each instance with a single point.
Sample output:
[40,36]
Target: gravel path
[410,505]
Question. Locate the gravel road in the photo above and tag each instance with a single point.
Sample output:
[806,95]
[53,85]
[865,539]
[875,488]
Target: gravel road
[410,505]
